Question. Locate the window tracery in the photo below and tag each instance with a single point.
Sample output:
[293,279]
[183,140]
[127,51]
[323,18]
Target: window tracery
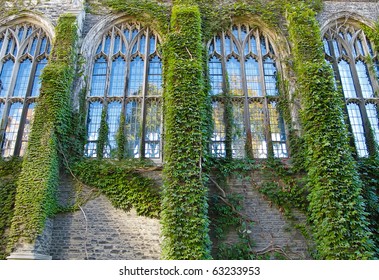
[243,69]
[24,50]
[350,53]
[126,81]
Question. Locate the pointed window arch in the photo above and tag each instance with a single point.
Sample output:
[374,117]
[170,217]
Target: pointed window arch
[126,86]
[243,77]
[24,51]
[350,53]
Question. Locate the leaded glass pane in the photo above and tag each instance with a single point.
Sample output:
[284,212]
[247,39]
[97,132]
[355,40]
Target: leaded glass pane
[270,76]
[357,128]
[228,45]
[140,77]
[5,77]
[233,69]
[27,128]
[117,83]
[11,130]
[99,77]
[154,82]
[218,134]
[238,133]
[335,48]
[113,121]
[33,46]
[346,79]
[117,44]
[152,44]
[278,134]
[326,46]
[136,77]
[364,80]
[257,128]
[93,128]
[133,128]
[22,79]
[250,113]
[153,129]
[372,113]
[252,78]
[37,81]
[215,75]
[43,45]
[107,44]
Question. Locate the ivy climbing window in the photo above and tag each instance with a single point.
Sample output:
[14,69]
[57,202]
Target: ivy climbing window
[24,50]
[243,77]
[350,53]
[125,95]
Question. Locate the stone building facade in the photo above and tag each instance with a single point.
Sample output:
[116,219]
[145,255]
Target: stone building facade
[98,230]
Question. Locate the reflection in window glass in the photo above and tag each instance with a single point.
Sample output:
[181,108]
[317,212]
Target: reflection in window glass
[372,112]
[5,77]
[23,58]
[136,77]
[117,77]
[99,77]
[129,84]
[364,80]
[218,135]
[11,130]
[250,95]
[357,128]
[238,133]
[37,81]
[278,134]
[346,79]
[257,127]
[133,123]
[153,129]
[358,82]
[113,121]
[270,76]
[252,78]
[215,75]
[93,128]
[155,77]
[234,74]
[27,127]
[22,79]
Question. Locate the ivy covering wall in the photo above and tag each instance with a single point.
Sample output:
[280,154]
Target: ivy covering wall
[184,206]
[337,209]
[39,178]
[341,225]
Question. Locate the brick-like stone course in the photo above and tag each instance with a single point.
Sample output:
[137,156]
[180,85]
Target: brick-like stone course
[102,232]
[271,229]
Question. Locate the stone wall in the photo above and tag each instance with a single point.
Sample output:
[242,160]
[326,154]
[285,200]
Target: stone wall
[271,231]
[99,231]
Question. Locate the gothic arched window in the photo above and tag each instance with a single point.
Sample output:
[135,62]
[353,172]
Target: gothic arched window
[243,75]
[24,49]
[126,84]
[350,54]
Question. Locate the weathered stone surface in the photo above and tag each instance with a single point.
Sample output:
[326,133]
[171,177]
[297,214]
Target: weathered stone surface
[102,232]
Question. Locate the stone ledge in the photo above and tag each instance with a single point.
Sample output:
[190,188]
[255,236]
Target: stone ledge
[28,256]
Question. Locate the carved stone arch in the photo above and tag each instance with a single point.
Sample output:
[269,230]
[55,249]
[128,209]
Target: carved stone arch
[345,17]
[28,17]
[93,37]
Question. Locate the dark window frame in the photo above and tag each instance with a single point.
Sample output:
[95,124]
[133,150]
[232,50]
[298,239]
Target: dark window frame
[29,42]
[346,42]
[241,48]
